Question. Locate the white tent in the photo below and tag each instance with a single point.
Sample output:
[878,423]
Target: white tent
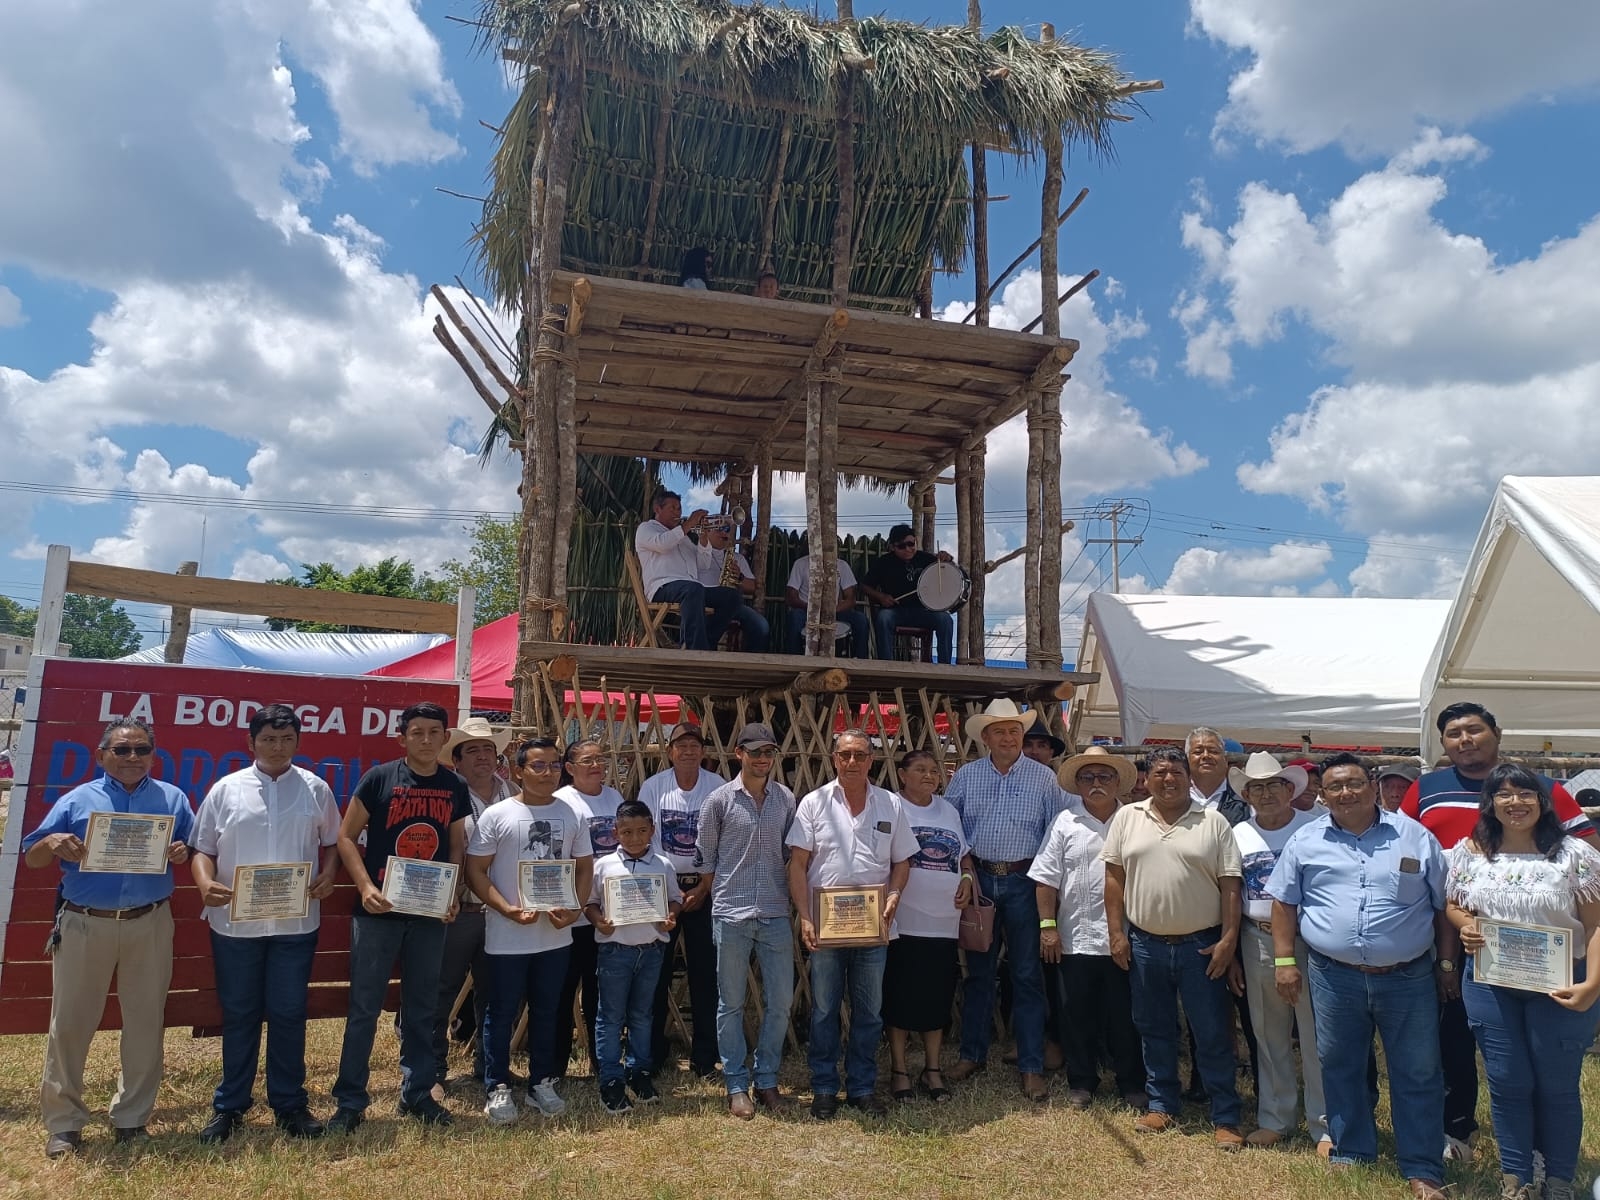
[1523,635]
[1258,668]
[291,650]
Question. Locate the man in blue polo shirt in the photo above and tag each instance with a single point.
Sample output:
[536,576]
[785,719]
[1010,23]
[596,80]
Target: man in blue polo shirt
[109,923]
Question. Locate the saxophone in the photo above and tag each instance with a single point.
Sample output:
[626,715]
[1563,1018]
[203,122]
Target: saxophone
[731,575]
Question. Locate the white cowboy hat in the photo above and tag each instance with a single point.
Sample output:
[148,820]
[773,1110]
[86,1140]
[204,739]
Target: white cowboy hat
[998,711]
[1260,766]
[1098,756]
[476,729]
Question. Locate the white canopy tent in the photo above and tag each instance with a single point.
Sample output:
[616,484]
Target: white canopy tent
[291,650]
[1267,669]
[1523,635]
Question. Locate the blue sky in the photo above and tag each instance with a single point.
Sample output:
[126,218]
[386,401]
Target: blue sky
[1347,282]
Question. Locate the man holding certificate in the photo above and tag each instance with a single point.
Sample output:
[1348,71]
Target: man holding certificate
[530,859]
[115,838]
[266,853]
[850,852]
[413,812]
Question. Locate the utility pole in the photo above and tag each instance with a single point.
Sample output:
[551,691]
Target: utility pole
[1115,541]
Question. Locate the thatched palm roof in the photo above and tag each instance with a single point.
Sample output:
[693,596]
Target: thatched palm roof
[752,91]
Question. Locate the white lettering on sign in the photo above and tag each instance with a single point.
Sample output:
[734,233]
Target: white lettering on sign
[112,711]
[380,720]
[333,724]
[189,710]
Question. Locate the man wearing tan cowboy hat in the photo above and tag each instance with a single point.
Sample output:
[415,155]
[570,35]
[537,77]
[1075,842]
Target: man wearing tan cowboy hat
[1006,803]
[1270,791]
[473,750]
[1093,1001]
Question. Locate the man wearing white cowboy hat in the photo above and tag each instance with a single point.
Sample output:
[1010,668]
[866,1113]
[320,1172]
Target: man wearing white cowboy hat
[1094,1002]
[1270,790]
[1006,803]
[473,750]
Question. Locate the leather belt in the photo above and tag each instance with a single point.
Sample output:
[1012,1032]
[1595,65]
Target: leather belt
[113,914]
[1178,939]
[1366,970]
[471,905]
[1002,869]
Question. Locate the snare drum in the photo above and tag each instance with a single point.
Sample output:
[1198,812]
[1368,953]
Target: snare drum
[943,587]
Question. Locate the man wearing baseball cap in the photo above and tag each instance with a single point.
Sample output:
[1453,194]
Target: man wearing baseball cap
[739,848]
[1394,780]
[675,797]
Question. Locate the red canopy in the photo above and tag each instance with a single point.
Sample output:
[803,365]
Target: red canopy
[494,656]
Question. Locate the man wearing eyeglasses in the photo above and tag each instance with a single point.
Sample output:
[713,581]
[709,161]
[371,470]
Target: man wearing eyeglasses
[891,584]
[108,923]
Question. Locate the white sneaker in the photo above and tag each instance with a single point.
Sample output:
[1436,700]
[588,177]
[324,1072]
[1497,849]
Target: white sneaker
[1456,1150]
[542,1096]
[501,1108]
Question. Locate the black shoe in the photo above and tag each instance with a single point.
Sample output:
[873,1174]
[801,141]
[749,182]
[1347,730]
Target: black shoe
[823,1108]
[299,1124]
[132,1135]
[643,1090]
[427,1110]
[59,1145]
[346,1120]
[704,1072]
[614,1098]
[872,1104]
[221,1126]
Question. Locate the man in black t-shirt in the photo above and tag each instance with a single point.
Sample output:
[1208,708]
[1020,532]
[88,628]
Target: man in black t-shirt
[409,808]
[891,584]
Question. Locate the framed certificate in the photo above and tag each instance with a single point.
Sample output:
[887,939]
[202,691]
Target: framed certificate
[1533,958]
[270,891]
[635,899]
[127,843]
[547,883]
[848,916]
[419,886]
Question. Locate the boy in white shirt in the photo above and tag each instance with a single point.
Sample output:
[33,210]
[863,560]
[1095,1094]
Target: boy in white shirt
[629,953]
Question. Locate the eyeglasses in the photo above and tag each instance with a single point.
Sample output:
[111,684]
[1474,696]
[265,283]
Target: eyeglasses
[1341,789]
[1526,797]
[908,544]
[852,755]
[541,768]
[762,752]
[130,751]
[1096,776]
[589,762]
[1262,786]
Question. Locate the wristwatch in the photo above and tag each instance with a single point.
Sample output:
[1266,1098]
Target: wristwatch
[1446,965]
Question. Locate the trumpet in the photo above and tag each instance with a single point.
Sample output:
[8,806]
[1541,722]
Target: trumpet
[728,522]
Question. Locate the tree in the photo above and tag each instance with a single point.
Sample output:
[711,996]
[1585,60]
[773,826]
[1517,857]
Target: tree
[391,577]
[491,568]
[94,626]
[15,620]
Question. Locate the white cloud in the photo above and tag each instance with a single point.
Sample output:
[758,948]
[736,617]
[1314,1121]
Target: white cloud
[10,309]
[1369,73]
[1286,569]
[1397,565]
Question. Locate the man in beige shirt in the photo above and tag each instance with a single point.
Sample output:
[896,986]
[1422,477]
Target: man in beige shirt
[1172,911]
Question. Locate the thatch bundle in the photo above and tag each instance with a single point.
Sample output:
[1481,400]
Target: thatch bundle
[751,96]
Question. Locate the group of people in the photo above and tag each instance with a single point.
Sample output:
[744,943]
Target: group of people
[691,561]
[1318,904]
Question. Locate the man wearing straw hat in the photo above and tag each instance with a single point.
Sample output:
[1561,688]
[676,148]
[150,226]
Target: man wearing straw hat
[1006,803]
[1093,1003]
[1270,790]
[474,751]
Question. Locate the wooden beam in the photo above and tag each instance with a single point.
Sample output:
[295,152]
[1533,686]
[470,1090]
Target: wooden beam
[500,376]
[1050,367]
[178,634]
[1065,296]
[1021,258]
[658,177]
[455,351]
[260,599]
[769,222]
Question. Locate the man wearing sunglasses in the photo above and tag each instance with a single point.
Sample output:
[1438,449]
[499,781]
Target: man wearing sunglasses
[891,584]
[108,923]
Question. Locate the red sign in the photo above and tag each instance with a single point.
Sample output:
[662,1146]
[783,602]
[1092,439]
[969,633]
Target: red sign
[201,719]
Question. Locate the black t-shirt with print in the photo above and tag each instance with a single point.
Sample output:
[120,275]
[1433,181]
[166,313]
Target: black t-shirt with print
[409,815]
[897,577]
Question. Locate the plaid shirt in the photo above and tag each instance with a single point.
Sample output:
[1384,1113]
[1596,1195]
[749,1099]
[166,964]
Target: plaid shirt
[1005,817]
[742,847]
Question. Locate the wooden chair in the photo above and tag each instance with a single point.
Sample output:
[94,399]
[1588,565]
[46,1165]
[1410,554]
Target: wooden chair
[653,614]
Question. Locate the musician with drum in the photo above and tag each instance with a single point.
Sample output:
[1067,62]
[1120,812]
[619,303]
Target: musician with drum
[914,589]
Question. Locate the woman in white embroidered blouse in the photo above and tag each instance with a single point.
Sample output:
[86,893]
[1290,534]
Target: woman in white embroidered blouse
[1520,866]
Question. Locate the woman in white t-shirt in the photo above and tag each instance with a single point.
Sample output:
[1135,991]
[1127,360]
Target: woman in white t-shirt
[1521,867]
[919,978]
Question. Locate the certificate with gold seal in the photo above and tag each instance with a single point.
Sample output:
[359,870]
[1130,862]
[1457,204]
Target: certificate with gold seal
[635,899]
[848,916]
[1532,958]
[127,843]
[270,892]
[545,884]
[420,886]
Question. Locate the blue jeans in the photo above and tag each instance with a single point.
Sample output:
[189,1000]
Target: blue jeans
[695,630]
[463,953]
[513,980]
[756,632]
[628,977]
[858,970]
[772,942]
[1162,974]
[1403,1006]
[375,943]
[1016,920]
[860,631]
[1533,1056]
[263,979]
[886,620]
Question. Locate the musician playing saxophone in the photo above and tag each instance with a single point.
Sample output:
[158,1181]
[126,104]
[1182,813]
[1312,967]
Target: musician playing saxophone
[891,584]
[727,568]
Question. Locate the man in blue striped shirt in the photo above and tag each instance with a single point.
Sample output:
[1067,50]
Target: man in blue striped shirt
[739,846]
[1007,803]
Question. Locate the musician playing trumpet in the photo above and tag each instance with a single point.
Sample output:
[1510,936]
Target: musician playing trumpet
[891,584]
[727,568]
[671,556]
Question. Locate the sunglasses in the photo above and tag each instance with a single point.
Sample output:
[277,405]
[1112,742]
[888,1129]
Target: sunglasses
[910,544]
[130,751]
[1096,776]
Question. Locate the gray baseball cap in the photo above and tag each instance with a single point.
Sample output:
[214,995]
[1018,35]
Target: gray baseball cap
[1410,772]
[755,736]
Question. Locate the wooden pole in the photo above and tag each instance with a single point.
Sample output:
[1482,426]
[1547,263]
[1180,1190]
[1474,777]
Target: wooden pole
[1083,194]
[182,615]
[769,224]
[973,612]
[972,524]
[1049,580]
[658,177]
[758,564]
[963,651]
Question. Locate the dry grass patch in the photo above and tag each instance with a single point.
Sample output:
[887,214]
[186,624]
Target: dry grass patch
[988,1144]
